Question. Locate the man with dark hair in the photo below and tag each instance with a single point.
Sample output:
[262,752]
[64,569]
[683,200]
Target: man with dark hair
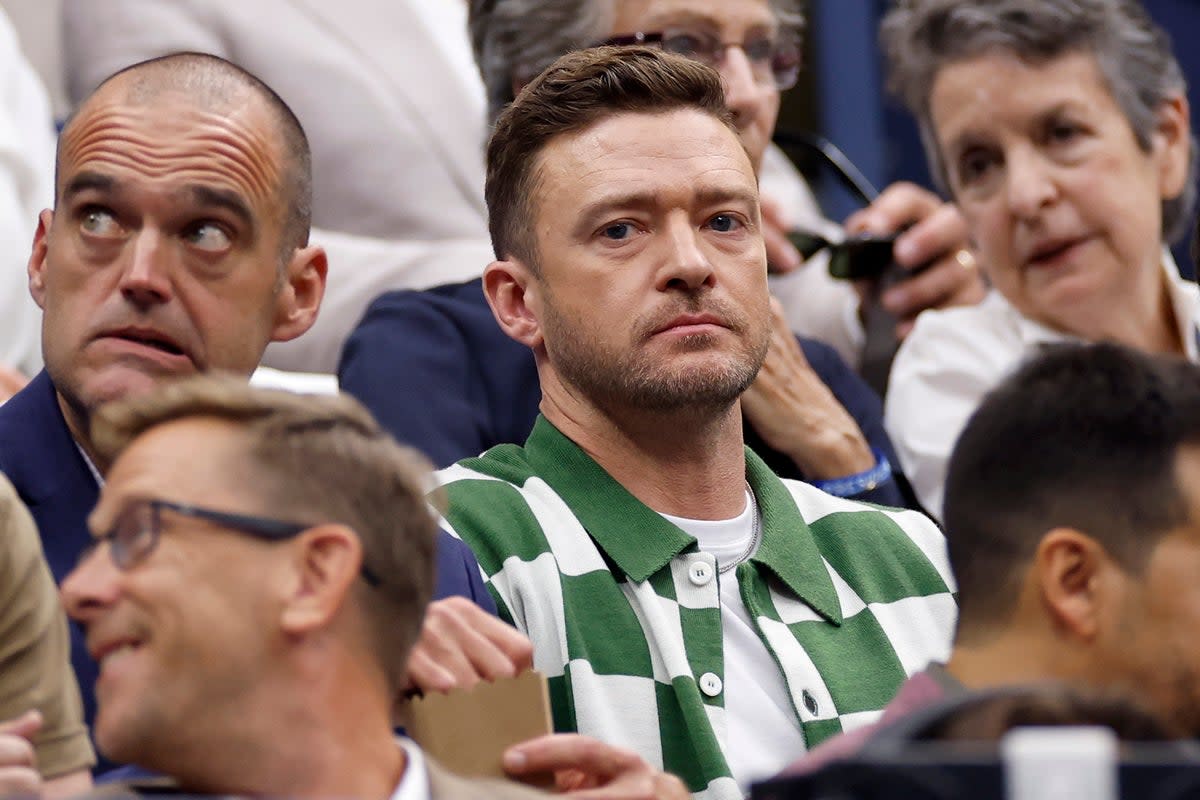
[177,245]
[1073,524]
[684,601]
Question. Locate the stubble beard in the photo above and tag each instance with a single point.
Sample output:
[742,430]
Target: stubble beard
[637,380]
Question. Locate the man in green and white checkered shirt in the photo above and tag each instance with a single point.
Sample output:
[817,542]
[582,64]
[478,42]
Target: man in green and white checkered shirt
[685,602]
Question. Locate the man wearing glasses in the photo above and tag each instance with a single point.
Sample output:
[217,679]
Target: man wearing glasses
[260,566]
[178,244]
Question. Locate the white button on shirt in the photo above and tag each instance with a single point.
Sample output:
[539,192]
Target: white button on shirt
[700,573]
[710,684]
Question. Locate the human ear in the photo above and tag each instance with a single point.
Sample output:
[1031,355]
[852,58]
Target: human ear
[1071,572]
[1172,145]
[299,298]
[36,267]
[513,292]
[326,560]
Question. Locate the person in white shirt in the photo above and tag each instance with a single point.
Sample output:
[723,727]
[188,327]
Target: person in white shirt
[1061,129]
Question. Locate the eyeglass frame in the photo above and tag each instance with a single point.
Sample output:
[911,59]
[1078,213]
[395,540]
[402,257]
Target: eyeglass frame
[265,528]
[713,57]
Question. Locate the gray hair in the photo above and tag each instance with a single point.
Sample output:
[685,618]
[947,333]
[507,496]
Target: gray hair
[921,37]
[514,40]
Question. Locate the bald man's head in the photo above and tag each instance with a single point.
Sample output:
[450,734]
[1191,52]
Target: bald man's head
[216,85]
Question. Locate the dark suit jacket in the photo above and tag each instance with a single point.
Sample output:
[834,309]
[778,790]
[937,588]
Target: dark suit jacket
[437,371]
[43,462]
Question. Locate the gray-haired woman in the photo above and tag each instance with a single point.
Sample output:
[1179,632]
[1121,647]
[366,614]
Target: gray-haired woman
[1060,128]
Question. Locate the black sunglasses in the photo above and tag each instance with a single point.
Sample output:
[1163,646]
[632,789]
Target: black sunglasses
[135,533]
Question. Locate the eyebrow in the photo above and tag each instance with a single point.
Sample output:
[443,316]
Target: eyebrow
[644,201]
[205,196]
[223,198]
[88,181]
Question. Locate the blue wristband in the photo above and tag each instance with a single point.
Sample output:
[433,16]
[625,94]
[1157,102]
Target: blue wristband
[852,485]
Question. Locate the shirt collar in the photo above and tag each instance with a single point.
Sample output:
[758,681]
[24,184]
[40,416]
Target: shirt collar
[1185,302]
[640,542]
[414,783]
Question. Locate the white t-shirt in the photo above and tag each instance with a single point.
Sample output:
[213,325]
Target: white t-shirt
[764,734]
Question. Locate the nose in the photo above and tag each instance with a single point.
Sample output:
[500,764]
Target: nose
[146,280]
[687,267]
[1030,184]
[743,92]
[93,585]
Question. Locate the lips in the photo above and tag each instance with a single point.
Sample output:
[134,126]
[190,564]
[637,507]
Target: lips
[691,320]
[1048,251]
[113,649]
[147,337]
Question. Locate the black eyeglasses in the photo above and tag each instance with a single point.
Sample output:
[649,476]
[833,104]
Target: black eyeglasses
[863,257]
[774,59]
[136,530]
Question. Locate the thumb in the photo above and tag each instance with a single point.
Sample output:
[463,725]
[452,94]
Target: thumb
[25,726]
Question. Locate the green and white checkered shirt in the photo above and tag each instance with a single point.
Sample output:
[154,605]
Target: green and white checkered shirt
[626,623]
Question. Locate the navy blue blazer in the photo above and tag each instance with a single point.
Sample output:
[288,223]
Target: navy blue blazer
[437,371]
[43,462]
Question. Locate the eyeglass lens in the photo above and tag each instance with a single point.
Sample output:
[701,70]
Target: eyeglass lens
[773,59]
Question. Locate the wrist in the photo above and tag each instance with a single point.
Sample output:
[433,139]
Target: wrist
[859,482]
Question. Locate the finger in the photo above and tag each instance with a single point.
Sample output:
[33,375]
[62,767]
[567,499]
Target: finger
[926,289]
[24,781]
[16,751]
[898,205]
[427,675]
[24,726]
[570,751]
[782,255]
[495,647]
[940,232]
[507,639]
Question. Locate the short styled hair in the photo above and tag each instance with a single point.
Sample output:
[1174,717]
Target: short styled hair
[577,91]
[315,460]
[922,37]
[1084,437]
[216,84]
[514,40]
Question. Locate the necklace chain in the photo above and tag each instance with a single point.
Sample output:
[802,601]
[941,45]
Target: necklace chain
[755,535]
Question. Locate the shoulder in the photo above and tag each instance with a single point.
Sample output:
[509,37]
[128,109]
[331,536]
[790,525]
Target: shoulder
[448,306]
[872,537]
[27,423]
[957,337]
[22,548]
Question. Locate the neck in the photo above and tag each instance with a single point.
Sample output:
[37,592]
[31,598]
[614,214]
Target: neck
[80,429]
[1145,321]
[317,740]
[1014,657]
[687,463]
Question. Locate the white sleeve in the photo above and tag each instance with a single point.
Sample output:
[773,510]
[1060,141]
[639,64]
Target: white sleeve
[943,369]
[26,187]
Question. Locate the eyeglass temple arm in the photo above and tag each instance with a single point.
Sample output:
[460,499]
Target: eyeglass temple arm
[849,175]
